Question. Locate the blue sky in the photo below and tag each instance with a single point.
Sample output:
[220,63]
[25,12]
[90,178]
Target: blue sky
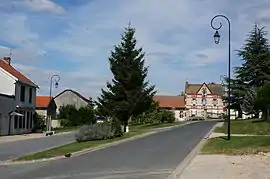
[73,38]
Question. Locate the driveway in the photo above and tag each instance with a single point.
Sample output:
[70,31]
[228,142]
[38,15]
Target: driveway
[10,150]
[154,156]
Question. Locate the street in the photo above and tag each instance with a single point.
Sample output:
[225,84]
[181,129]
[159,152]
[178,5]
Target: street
[10,150]
[154,156]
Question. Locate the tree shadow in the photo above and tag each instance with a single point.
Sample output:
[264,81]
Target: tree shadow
[223,137]
[258,121]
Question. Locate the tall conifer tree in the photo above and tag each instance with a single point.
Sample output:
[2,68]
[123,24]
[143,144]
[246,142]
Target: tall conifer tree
[129,94]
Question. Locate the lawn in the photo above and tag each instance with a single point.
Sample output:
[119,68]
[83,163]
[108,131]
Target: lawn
[72,147]
[253,126]
[140,127]
[237,145]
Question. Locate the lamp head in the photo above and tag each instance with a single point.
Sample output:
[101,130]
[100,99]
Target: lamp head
[56,85]
[216,37]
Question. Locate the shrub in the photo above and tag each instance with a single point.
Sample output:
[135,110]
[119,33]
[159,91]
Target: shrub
[156,116]
[100,131]
[115,128]
[39,123]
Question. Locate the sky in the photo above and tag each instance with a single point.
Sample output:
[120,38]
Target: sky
[74,38]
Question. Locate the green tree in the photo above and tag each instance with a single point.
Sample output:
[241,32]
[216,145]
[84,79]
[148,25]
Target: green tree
[255,55]
[253,72]
[71,116]
[263,100]
[238,91]
[129,94]
[85,115]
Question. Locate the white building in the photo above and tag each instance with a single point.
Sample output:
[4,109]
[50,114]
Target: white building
[204,100]
[17,100]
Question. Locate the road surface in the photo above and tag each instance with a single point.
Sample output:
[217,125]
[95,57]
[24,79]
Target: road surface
[10,150]
[151,157]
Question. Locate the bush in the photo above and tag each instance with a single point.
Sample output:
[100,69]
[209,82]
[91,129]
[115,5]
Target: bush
[156,116]
[39,123]
[100,131]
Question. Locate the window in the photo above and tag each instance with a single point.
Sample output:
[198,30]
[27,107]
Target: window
[30,95]
[22,97]
[215,102]
[23,119]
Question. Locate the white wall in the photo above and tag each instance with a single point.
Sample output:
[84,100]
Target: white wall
[7,83]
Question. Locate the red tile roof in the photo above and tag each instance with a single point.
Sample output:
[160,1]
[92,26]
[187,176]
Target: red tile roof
[10,69]
[42,101]
[170,101]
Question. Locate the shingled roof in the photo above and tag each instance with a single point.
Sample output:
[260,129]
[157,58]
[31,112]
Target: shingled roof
[214,88]
[10,69]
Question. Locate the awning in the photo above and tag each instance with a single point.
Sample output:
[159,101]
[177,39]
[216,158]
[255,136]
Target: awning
[15,114]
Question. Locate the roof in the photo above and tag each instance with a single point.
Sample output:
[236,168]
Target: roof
[42,101]
[78,94]
[214,88]
[170,101]
[10,69]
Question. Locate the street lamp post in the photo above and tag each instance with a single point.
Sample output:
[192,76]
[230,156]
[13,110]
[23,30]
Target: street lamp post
[217,39]
[56,79]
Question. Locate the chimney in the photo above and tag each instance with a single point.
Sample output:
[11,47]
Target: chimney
[186,86]
[7,59]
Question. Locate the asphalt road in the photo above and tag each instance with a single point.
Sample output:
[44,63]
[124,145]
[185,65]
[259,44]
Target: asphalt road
[154,156]
[10,150]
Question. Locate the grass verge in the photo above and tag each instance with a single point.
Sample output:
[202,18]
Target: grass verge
[72,147]
[139,127]
[255,127]
[237,145]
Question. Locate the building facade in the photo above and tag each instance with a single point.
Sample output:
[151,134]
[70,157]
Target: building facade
[198,101]
[70,97]
[204,100]
[17,100]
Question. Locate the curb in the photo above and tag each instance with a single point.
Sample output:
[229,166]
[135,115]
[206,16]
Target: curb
[9,162]
[180,168]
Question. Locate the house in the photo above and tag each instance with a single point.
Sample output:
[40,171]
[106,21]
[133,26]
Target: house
[45,106]
[204,100]
[173,103]
[70,97]
[17,100]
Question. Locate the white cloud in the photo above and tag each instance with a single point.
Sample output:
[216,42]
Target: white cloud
[176,36]
[43,6]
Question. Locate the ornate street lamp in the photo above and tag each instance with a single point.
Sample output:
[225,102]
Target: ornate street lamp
[56,79]
[217,39]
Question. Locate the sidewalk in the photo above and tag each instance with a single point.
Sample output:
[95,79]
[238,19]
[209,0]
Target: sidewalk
[12,138]
[228,167]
